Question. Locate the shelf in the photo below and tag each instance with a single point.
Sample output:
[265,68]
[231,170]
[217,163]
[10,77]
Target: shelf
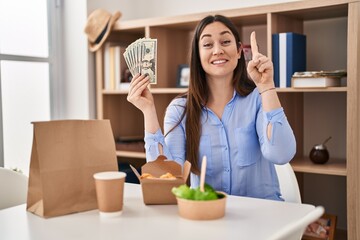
[332,167]
[328,89]
[153,90]
[114,92]
[130,154]
[168,90]
[183,90]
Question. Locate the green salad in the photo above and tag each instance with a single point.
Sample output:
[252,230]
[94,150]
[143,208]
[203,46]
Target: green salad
[185,192]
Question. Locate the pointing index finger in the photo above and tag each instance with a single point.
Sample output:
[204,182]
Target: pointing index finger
[253,43]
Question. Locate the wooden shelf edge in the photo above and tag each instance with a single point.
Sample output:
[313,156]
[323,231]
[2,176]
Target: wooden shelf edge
[168,90]
[328,89]
[114,92]
[335,167]
[131,154]
[153,90]
[183,90]
[332,167]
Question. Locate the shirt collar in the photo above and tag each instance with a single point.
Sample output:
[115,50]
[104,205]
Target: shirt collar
[233,97]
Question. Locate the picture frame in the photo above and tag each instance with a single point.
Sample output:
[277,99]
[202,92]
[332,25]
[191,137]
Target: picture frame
[322,229]
[183,75]
[247,52]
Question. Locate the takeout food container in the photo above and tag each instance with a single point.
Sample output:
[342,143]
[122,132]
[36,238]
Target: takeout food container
[158,190]
[202,210]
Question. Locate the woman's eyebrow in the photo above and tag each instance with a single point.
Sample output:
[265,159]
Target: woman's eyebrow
[205,35]
[221,33]
[225,32]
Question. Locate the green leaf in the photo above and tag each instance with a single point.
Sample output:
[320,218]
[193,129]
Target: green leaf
[183,191]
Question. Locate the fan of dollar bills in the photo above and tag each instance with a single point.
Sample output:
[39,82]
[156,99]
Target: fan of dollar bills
[140,57]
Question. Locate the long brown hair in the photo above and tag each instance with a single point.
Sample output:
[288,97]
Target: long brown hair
[198,92]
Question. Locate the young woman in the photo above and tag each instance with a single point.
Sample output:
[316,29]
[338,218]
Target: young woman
[231,114]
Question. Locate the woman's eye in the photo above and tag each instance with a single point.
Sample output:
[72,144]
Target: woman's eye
[207,45]
[226,42]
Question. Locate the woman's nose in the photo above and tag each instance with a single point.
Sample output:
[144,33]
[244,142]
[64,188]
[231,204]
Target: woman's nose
[218,49]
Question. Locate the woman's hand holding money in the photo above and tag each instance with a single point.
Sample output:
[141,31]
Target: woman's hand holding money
[140,96]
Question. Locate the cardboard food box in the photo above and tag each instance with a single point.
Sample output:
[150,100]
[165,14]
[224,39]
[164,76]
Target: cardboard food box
[158,190]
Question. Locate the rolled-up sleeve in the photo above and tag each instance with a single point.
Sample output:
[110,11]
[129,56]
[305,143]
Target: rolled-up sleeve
[152,141]
[281,147]
[173,147]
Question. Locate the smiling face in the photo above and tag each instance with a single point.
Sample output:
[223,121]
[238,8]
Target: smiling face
[218,51]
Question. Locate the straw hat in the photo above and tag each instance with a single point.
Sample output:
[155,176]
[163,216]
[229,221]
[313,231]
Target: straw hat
[98,27]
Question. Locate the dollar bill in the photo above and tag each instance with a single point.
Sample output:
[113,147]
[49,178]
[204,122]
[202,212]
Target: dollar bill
[141,57]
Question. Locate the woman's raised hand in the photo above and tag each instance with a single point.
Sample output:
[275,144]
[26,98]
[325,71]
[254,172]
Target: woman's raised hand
[260,68]
[139,94]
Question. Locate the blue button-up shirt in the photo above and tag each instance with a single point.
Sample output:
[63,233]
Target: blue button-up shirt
[240,157]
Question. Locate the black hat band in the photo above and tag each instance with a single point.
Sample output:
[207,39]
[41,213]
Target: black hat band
[98,39]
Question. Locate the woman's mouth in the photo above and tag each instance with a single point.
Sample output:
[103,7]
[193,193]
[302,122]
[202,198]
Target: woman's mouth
[219,61]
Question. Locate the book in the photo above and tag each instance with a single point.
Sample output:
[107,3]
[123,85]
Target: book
[112,68]
[117,67]
[315,82]
[317,79]
[289,56]
[107,66]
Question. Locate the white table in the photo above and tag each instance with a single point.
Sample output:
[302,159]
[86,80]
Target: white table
[245,218]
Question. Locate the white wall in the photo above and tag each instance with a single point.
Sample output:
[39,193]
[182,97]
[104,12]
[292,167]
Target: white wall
[78,95]
[157,8]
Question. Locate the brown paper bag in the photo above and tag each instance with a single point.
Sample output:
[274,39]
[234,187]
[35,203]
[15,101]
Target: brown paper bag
[65,155]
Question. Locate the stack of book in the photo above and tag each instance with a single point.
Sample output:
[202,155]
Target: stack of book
[115,70]
[289,56]
[317,79]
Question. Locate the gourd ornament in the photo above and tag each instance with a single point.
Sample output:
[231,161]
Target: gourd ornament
[319,153]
